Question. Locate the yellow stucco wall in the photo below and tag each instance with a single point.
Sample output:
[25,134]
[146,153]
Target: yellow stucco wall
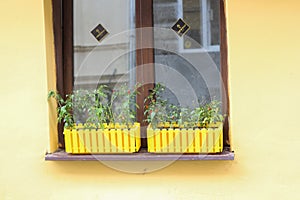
[264,70]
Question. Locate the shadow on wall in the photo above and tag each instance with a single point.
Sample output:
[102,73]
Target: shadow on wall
[187,169]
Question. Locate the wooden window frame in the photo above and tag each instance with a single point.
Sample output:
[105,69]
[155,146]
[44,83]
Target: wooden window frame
[63,42]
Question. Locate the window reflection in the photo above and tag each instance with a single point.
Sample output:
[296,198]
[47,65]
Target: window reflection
[110,60]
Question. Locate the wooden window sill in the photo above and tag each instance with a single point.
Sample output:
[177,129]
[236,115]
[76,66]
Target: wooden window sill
[61,155]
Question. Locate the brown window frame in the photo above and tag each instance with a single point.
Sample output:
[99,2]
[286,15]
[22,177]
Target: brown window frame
[63,42]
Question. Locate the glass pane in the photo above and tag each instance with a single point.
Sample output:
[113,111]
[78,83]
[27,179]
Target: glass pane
[192,15]
[110,60]
[104,44]
[190,75]
[214,9]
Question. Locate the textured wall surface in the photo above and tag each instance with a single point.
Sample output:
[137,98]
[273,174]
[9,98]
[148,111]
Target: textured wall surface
[264,79]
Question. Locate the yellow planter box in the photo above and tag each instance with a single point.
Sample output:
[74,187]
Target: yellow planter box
[114,138]
[182,140]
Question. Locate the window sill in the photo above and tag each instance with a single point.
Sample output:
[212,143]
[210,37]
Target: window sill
[61,155]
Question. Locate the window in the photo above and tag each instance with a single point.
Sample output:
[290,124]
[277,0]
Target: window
[204,19]
[140,47]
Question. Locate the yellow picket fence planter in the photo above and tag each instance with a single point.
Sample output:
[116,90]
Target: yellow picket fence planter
[182,140]
[114,138]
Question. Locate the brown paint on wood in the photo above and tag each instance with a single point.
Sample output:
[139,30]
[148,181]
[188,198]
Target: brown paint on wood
[63,44]
[224,73]
[141,155]
[144,58]
[68,45]
[58,45]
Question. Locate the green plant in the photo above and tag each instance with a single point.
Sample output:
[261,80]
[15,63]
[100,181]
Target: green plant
[99,112]
[157,110]
[82,102]
[64,108]
[173,113]
[123,105]
[95,108]
[186,117]
[209,113]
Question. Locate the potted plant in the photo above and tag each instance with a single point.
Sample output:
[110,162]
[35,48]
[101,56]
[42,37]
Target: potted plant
[99,121]
[176,129]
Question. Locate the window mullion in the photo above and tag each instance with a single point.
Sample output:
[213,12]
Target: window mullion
[144,59]
[205,26]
